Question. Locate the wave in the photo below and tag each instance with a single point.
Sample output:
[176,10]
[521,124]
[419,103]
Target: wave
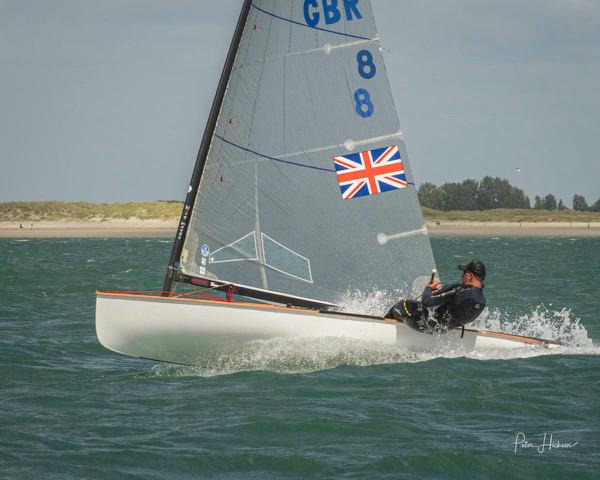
[541,322]
[294,355]
[304,355]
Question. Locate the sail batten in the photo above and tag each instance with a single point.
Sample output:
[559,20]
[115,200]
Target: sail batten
[328,48]
[307,168]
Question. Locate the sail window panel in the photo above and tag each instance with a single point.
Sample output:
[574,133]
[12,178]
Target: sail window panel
[233,269]
[242,249]
[286,261]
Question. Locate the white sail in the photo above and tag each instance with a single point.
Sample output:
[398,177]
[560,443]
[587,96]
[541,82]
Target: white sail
[307,171]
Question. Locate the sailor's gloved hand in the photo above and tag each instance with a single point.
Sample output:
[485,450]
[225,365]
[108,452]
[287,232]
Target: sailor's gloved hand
[435,285]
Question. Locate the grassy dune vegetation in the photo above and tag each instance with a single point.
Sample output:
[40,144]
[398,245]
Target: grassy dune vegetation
[81,211]
[511,215]
[170,210]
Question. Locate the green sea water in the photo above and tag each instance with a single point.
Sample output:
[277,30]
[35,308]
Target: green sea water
[69,409]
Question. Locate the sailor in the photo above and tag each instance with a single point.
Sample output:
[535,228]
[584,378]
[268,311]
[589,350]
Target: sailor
[444,308]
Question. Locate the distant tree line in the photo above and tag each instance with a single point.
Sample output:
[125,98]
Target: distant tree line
[579,203]
[490,193]
[473,195]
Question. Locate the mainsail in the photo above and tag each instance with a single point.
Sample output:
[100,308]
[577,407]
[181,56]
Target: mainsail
[306,189]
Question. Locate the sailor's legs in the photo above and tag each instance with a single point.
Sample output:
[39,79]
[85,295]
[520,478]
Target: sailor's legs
[406,309]
[416,316]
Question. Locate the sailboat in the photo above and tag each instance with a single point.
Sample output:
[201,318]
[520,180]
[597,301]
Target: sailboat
[302,191]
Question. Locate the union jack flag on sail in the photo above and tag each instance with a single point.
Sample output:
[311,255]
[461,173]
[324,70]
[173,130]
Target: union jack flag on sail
[371,172]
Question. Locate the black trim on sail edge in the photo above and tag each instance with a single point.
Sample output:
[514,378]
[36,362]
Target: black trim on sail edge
[204,148]
[250,292]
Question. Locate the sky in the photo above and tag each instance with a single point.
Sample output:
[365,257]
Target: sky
[106,100]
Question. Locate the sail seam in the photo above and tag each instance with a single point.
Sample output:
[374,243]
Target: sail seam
[308,26]
[273,158]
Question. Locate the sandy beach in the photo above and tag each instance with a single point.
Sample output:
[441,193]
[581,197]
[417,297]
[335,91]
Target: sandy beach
[167,229]
[89,229]
[514,229]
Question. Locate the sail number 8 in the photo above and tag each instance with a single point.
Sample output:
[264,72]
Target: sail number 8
[364,105]
[366,69]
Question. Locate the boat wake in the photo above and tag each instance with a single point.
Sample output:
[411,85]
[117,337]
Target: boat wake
[542,322]
[302,355]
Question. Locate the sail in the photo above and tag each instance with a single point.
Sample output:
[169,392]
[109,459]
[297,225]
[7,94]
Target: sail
[307,189]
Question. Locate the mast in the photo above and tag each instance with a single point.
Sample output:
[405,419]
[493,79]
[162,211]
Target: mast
[204,148]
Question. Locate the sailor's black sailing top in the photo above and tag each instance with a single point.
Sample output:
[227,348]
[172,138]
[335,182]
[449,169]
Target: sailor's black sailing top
[454,305]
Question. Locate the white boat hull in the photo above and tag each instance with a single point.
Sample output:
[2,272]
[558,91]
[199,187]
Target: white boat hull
[181,330]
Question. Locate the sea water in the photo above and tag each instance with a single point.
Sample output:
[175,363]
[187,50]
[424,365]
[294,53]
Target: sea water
[69,409]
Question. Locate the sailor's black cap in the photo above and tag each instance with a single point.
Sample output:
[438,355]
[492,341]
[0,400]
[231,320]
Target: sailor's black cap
[474,266]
